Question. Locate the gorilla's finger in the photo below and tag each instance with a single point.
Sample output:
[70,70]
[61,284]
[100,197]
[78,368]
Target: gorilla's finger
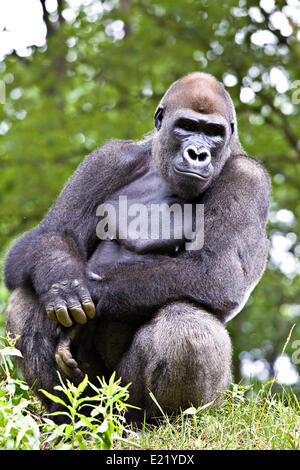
[72,335]
[66,355]
[78,314]
[89,308]
[51,313]
[63,316]
[69,371]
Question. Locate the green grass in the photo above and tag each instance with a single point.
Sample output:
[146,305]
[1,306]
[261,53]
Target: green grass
[249,418]
[243,422]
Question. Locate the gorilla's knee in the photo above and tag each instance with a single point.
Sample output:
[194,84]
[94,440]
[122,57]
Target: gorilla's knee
[25,316]
[183,356]
[21,305]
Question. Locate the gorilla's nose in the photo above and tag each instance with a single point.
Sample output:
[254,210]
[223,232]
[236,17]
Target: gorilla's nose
[199,157]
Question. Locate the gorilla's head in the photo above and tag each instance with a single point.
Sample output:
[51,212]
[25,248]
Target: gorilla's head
[196,132]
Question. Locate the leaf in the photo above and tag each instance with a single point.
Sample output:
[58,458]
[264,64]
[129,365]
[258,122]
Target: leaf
[23,404]
[61,413]
[68,430]
[190,411]
[20,436]
[97,410]
[103,427]
[54,398]
[9,351]
[82,386]
[205,406]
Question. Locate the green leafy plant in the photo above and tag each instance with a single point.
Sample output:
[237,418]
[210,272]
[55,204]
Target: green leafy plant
[104,423]
[19,430]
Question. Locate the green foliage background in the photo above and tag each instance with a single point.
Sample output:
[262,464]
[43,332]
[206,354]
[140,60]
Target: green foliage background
[102,75]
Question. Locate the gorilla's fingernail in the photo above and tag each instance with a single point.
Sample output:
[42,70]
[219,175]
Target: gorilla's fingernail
[95,277]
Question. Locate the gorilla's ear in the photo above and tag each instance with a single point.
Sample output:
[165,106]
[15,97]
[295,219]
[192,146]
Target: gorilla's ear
[158,117]
[232,127]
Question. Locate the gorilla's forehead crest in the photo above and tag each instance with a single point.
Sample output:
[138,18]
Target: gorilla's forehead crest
[201,92]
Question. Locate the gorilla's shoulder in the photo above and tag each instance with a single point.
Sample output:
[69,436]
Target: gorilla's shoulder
[121,146]
[250,168]
[122,152]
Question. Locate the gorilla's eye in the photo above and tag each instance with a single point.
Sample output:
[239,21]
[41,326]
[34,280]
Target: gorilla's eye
[214,130]
[187,125]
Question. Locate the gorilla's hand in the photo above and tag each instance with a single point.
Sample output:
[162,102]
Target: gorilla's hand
[67,301]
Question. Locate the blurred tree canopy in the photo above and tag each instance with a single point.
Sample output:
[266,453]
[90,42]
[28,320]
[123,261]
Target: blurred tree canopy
[101,74]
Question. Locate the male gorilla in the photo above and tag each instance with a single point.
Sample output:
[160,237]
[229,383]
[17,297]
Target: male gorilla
[160,308]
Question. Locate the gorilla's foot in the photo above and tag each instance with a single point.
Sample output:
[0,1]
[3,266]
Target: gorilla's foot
[63,354]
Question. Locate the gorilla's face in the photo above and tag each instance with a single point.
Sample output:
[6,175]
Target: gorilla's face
[198,143]
[195,127]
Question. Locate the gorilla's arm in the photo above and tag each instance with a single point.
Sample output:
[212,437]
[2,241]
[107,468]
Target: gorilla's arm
[221,275]
[51,258]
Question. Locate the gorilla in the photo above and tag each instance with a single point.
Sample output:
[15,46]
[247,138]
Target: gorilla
[146,307]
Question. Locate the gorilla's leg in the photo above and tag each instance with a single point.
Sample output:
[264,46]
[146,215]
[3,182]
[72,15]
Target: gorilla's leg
[183,356]
[38,343]
[27,318]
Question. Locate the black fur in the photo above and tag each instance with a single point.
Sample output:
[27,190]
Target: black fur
[160,309]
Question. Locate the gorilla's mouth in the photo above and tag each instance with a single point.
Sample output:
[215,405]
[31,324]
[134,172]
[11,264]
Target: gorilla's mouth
[191,173]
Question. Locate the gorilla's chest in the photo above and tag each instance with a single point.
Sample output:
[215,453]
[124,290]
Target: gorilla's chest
[143,218]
